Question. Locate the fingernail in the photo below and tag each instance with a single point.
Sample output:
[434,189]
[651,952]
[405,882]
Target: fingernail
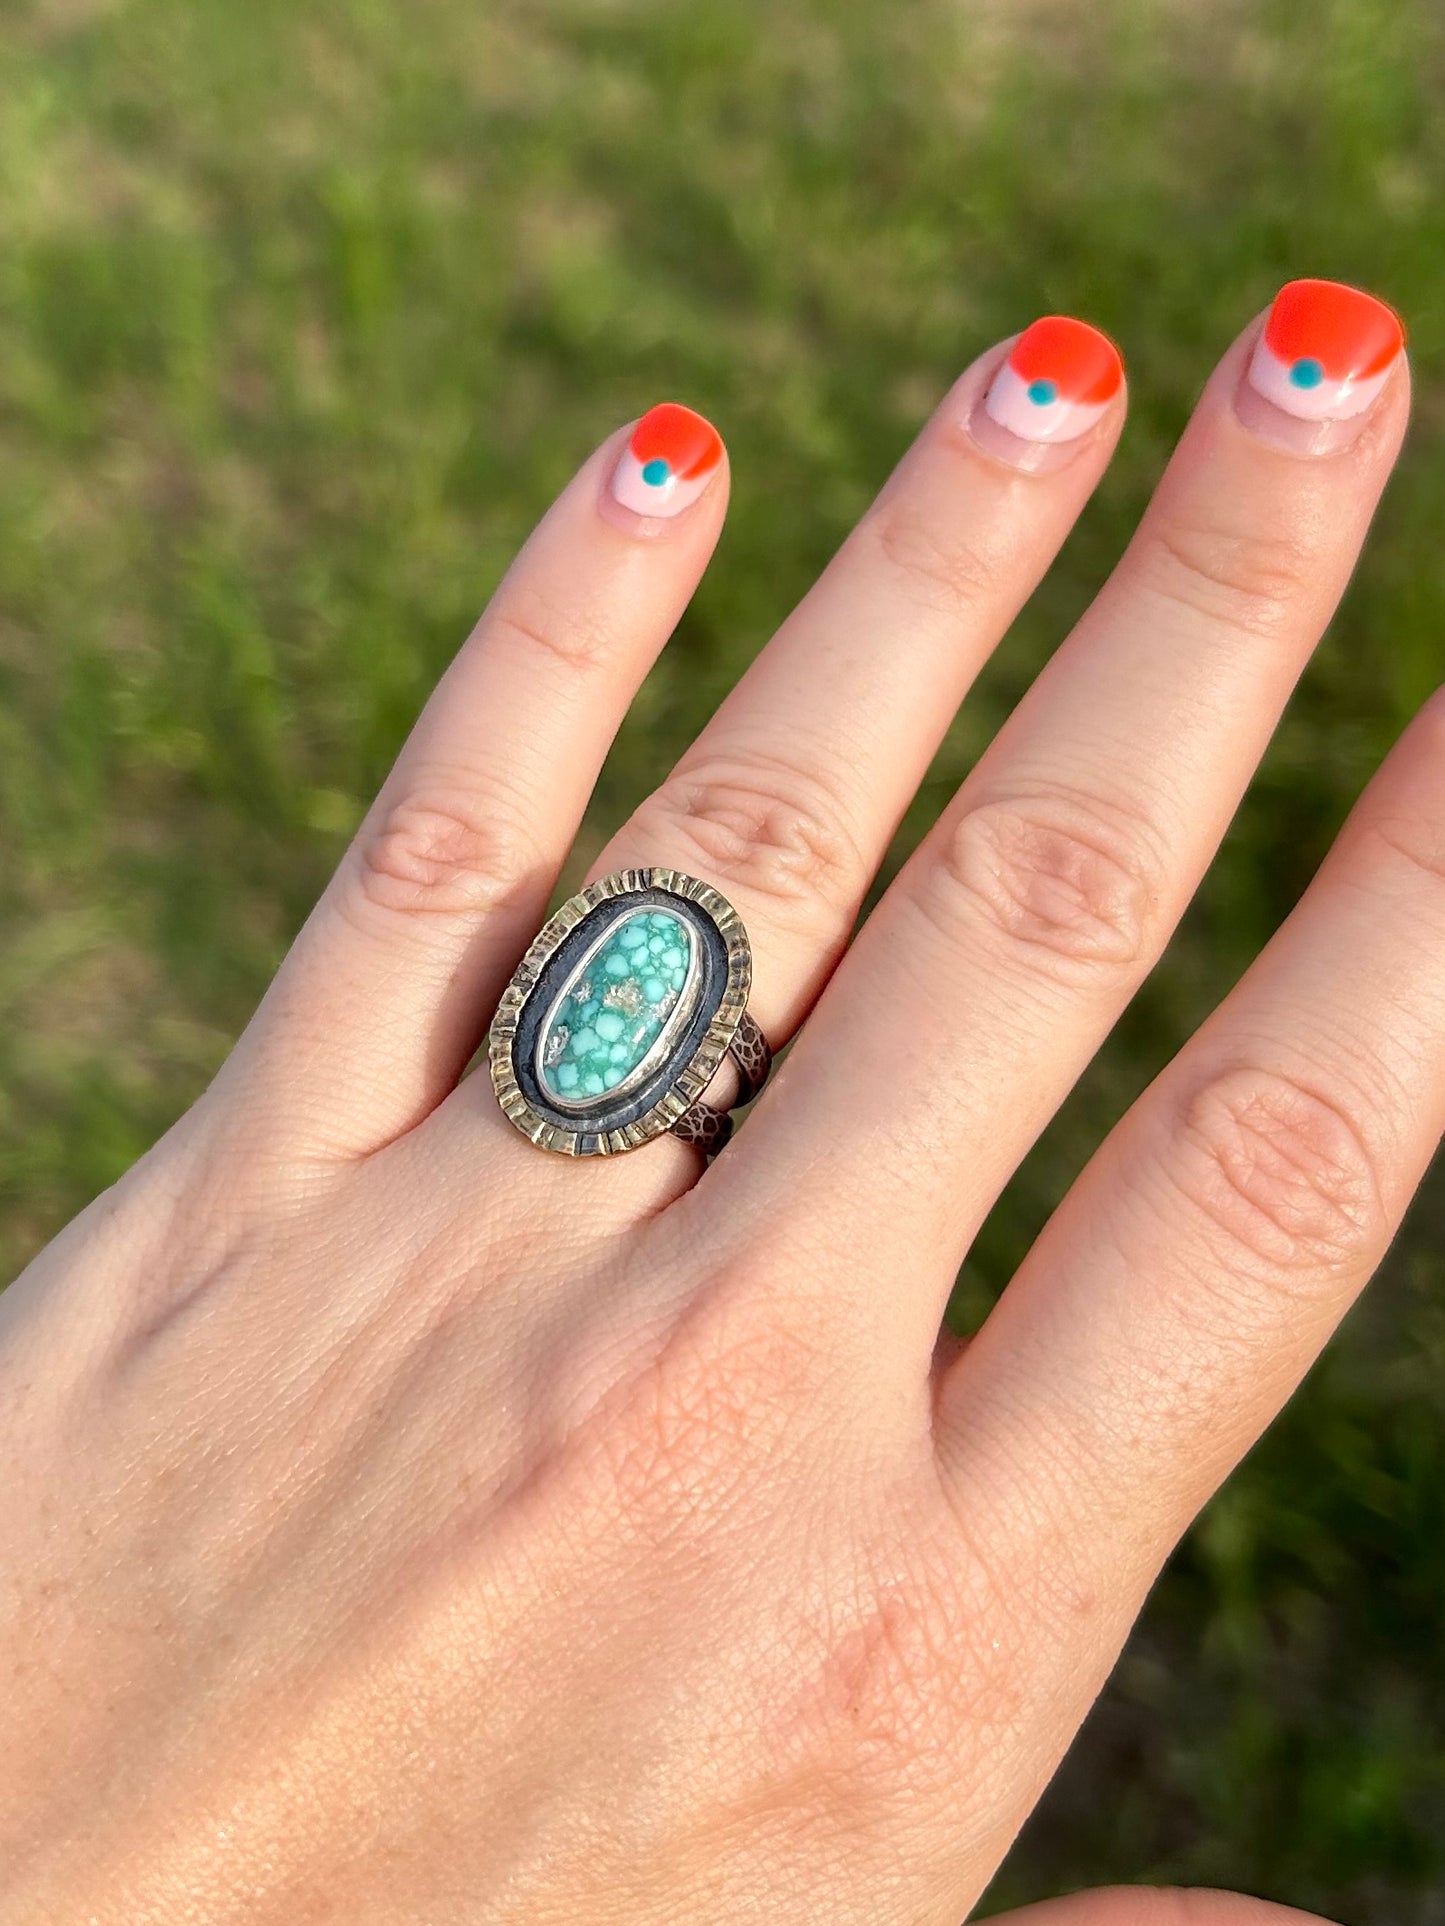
[1323,359]
[1058,381]
[671,458]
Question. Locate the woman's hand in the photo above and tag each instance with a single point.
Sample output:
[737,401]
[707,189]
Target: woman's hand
[403,1524]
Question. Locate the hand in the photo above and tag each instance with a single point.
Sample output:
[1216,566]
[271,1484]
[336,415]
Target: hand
[405,1524]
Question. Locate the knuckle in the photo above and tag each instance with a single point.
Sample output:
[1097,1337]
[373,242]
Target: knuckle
[916,1678]
[527,622]
[947,571]
[1069,883]
[1282,1173]
[1415,842]
[877,1691]
[709,1418]
[444,852]
[1247,578]
[761,824]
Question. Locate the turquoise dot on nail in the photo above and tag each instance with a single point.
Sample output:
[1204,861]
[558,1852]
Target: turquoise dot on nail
[654,472]
[1041,393]
[1307,373]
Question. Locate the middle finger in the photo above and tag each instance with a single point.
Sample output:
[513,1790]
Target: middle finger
[788,799]
[1013,938]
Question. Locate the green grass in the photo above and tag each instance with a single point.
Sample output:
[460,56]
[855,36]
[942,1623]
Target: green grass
[306,311]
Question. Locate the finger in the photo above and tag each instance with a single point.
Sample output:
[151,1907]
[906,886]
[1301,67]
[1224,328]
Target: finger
[1006,949]
[788,799]
[381,1001]
[1155,1906]
[1199,1264]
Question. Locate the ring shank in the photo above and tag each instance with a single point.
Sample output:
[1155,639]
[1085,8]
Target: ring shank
[702,1124]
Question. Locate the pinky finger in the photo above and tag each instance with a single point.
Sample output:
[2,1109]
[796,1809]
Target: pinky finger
[1194,1272]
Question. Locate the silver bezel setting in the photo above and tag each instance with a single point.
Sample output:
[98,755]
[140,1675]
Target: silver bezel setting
[663,1043]
[691,1078]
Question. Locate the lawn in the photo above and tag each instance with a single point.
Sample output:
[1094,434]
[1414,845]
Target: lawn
[306,311]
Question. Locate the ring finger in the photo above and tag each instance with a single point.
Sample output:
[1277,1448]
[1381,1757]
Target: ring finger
[789,797]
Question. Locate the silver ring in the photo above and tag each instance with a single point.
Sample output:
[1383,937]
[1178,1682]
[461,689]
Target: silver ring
[620,1013]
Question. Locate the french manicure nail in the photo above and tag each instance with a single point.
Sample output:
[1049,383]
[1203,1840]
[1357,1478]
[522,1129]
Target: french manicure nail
[671,458]
[1058,380]
[1324,357]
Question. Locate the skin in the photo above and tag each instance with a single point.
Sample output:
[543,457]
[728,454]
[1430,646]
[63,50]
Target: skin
[402,1525]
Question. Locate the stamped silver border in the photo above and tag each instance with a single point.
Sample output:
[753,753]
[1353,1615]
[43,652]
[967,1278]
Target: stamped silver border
[695,1075]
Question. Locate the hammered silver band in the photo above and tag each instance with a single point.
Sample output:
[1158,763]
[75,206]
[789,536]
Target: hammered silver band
[708,1128]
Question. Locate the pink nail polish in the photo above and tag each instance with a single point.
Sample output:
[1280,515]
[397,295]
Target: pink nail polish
[671,458]
[1326,351]
[1326,355]
[1058,381]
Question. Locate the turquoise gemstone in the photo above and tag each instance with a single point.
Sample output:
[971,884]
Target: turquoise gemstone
[625,999]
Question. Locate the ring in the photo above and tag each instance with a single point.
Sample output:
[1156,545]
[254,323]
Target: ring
[620,1013]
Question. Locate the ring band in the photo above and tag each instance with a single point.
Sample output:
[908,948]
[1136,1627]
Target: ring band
[620,1013]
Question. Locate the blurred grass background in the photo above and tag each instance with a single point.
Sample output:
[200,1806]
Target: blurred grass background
[306,311]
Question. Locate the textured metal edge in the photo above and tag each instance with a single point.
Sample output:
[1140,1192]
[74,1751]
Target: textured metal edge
[696,1074]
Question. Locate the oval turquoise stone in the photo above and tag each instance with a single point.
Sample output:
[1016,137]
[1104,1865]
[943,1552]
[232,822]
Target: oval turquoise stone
[618,1010]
